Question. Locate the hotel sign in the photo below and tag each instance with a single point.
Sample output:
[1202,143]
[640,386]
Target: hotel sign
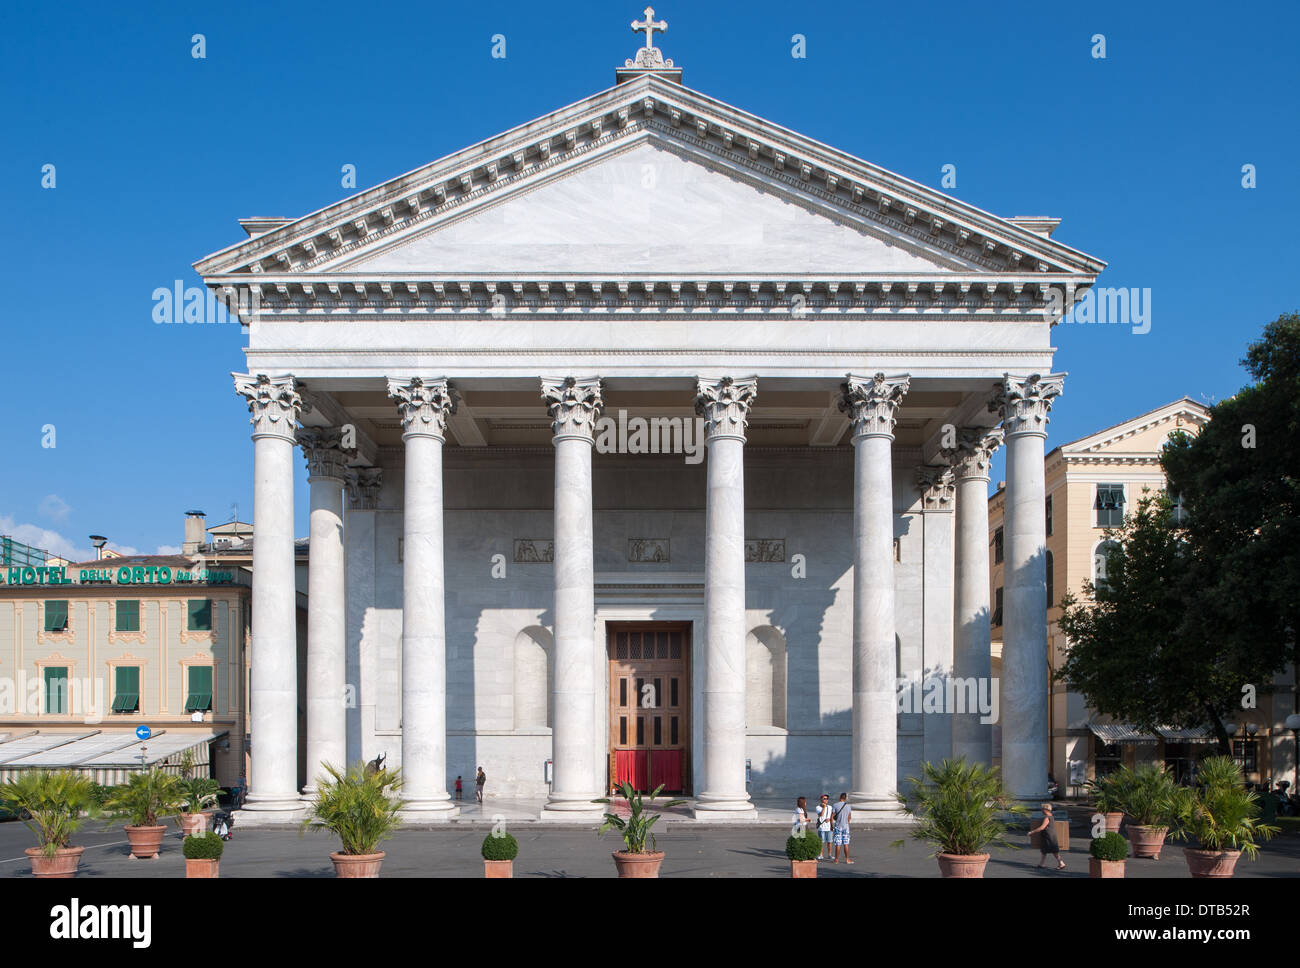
[126,575]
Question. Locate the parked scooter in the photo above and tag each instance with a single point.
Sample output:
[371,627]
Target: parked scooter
[223,823]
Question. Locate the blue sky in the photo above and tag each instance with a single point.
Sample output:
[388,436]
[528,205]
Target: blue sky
[158,153]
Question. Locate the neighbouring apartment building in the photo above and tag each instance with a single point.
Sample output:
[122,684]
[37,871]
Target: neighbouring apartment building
[91,651]
[1091,484]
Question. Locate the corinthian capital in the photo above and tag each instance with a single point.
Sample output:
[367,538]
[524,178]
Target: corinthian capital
[724,404]
[938,487]
[273,402]
[321,447]
[972,455]
[574,405]
[1023,402]
[363,485]
[423,405]
[871,403]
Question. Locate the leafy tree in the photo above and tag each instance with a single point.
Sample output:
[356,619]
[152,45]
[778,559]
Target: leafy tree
[1195,610]
[1135,652]
[1240,482]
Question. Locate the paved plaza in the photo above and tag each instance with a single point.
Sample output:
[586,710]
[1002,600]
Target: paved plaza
[545,850]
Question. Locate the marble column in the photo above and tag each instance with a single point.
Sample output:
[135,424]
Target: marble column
[363,486]
[725,405]
[273,687]
[938,490]
[871,403]
[423,406]
[326,605]
[576,779]
[1023,403]
[971,458]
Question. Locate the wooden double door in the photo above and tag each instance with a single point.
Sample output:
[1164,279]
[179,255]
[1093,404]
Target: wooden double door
[649,705]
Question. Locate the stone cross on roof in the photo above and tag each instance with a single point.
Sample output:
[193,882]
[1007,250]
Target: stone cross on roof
[649,55]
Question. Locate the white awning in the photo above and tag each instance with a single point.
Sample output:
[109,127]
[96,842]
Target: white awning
[1198,734]
[157,748]
[108,756]
[1120,733]
[36,742]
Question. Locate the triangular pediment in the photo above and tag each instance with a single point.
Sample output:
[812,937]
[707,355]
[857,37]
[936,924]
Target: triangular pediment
[1143,435]
[650,178]
[652,209]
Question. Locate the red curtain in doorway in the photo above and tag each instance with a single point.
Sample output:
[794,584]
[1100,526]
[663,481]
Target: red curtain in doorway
[666,766]
[631,766]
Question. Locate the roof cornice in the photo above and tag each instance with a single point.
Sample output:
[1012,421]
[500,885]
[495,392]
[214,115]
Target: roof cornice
[648,106]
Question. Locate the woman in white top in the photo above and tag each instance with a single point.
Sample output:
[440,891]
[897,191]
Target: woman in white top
[801,815]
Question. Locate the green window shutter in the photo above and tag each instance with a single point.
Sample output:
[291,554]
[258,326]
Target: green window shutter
[200,615]
[127,615]
[56,689]
[199,694]
[56,614]
[126,694]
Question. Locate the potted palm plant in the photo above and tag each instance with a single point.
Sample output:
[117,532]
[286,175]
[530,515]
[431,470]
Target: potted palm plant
[636,861]
[1108,852]
[1107,793]
[197,792]
[202,854]
[142,801]
[959,809]
[51,803]
[1147,797]
[803,848]
[499,852]
[358,807]
[1223,817]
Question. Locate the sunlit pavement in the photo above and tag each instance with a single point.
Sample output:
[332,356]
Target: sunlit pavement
[693,850]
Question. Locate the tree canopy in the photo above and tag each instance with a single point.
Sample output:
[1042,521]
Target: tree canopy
[1197,615]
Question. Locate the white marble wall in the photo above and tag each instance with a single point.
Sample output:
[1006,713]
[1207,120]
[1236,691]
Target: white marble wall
[491,501]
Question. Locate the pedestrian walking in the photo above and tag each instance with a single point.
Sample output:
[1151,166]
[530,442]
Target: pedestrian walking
[460,791]
[824,818]
[1047,844]
[840,835]
[478,784]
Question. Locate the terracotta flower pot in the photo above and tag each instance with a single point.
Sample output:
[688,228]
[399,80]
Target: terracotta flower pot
[803,868]
[1113,820]
[962,865]
[193,823]
[145,841]
[201,866]
[62,864]
[1146,841]
[644,864]
[1105,868]
[1211,863]
[498,868]
[357,865]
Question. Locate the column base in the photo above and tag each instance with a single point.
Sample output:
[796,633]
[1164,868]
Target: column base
[713,806]
[429,811]
[268,811]
[573,808]
[872,808]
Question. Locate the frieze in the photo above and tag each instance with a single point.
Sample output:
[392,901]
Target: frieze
[765,549]
[534,551]
[647,550]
